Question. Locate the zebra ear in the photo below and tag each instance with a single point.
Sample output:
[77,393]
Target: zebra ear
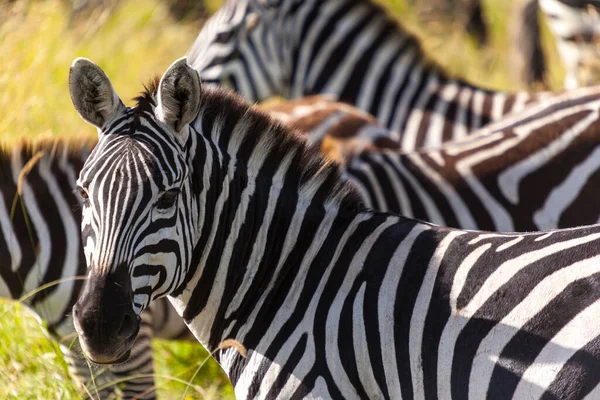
[179,95]
[92,93]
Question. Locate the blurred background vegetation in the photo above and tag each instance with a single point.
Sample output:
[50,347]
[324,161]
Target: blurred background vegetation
[131,40]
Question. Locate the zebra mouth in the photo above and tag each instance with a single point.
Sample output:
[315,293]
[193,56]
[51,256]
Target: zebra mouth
[124,358]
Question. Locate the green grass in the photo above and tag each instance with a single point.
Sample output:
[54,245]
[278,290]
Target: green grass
[38,42]
[32,367]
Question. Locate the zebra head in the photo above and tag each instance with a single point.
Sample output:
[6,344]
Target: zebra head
[243,47]
[134,187]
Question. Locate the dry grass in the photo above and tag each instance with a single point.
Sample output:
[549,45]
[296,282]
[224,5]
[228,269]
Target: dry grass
[38,44]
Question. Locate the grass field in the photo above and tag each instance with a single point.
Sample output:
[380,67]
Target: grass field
[38,41]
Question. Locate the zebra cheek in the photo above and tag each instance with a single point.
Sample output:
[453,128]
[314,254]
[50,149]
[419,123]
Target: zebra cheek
[88,250]
[156,215]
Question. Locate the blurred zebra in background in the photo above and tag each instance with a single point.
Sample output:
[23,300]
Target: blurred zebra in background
[575,25]
[338,130]
[348,48]
[537,170]
[41,253]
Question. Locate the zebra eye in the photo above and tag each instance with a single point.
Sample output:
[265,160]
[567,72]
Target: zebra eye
[167,199]
[82,193]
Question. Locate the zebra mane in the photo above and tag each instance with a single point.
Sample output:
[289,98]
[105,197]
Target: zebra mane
[74,151]
[145,99]
[75,148]
[247,124]
[412,41]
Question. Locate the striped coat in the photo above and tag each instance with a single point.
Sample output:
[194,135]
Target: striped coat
[323,298]
[532,171]
[350,49]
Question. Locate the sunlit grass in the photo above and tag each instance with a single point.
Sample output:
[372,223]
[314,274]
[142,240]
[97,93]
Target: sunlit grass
[491,66]
[31,366]
[38,42]
[37,45]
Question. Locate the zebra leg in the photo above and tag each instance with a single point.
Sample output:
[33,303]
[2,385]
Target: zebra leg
[476,25]
[137,373]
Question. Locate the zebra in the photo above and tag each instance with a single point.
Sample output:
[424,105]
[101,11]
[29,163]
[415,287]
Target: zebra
[534,171]
[575,24]
[537,172]
[41,252]
[196,195]
[351,49]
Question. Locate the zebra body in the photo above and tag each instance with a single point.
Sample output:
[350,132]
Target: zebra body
[255,238]
[538,172]
[532,171]
[350,49]
[40,244]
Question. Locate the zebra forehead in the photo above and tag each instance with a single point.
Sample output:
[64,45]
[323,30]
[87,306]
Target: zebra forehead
[123,157]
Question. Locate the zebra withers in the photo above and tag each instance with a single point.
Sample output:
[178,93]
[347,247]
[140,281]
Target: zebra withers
[339,130]
[40,244]
[254,237]
[348,48]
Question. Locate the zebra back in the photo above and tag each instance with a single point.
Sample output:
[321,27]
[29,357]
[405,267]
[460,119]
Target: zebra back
[537,171]
[337,129]
[352,50]
[534,170]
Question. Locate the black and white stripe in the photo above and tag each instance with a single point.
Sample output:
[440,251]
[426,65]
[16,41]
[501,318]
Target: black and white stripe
[348,48]
[40,243]
[330,301]
[537,171]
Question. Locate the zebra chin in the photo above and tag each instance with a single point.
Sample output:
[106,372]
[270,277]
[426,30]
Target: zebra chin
[107,357]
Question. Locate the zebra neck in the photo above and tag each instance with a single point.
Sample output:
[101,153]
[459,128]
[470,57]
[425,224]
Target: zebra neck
[329,37]
[255,187]
[354,50]
[298,287]
[240,292]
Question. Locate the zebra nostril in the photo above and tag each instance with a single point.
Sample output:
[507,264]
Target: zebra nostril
[128,326]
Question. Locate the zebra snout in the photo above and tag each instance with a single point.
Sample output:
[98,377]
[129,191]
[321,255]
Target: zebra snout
[105,320]
[106,338]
